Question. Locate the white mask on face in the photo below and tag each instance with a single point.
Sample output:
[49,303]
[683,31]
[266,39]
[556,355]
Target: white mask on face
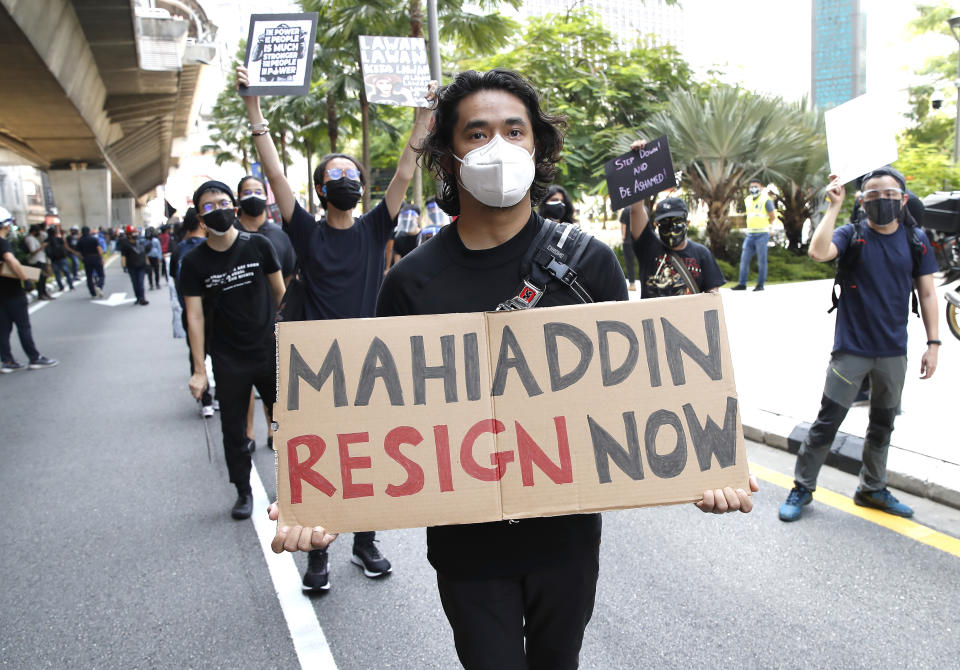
[498,174]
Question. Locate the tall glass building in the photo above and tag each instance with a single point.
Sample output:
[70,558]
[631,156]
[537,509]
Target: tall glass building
[838,69]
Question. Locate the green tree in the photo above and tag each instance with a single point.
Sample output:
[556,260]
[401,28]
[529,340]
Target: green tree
[343,21]
[601,89]
[927,168]
[229,135]
[803,188]
[720,142]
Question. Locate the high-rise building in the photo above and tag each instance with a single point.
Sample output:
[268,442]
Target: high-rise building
[838,52]
[652,22]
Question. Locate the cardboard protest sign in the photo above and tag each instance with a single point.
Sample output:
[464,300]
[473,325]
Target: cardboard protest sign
[279,56]
[861,136]
[32,273]
[639,174]
[395,70]
[456,418]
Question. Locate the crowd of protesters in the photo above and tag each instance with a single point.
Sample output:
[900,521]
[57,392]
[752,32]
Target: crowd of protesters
[494,150]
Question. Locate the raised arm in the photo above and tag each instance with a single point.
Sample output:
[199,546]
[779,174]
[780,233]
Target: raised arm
[638,211]
[408,159]
[822,248]
[269,158]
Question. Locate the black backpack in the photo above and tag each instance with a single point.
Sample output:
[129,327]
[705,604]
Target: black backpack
[55,248]
[849,260]
[554,255]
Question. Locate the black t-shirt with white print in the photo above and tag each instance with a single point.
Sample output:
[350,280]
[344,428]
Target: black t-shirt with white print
[442,276]
[658,276]
[234,285]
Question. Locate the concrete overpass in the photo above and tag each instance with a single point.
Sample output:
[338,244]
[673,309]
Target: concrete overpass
[95,92]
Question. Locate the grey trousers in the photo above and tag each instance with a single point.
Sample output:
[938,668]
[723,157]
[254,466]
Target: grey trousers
[844,376]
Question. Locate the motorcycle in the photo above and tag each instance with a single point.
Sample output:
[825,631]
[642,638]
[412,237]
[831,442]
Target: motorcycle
[941,221]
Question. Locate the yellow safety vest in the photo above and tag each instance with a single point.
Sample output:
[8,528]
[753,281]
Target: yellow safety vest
[757,219]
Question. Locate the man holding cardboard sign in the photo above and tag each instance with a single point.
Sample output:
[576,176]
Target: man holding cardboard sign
[517,593]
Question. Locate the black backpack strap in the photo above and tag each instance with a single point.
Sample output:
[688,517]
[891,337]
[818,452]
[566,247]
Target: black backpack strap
[554,254]
[848,262]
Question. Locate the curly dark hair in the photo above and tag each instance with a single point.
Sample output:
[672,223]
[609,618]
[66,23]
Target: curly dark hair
[437,148]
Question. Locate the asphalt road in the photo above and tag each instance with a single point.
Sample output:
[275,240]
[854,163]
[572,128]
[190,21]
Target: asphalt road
[118,550]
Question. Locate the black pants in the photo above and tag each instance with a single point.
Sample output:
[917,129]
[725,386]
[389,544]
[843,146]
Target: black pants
[136,280]
[13,311]
[548,609]
[42,282]
[153,272]
[93,266]
[629,257]
[234,381]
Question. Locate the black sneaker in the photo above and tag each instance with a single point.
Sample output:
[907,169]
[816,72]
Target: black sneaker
[739,287]
[368,557]
[317,577]
[758,287]
[43,362]
[243,508]
[11,366]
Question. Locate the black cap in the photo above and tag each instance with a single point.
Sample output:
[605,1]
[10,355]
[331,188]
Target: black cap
[885,171]
[213,185]
[670,207]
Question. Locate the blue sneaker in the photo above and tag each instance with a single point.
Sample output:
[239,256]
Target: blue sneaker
[882,500]
[799,496]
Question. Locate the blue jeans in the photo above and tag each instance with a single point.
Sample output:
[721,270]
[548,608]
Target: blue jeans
[136,278]
[754,243]
[62,267]
[13,312]
[74,266]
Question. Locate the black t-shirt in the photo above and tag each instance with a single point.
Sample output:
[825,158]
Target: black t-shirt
[8,287]
[342,269]
[281,244]
[56,248]
[443,276]
[135,253]
[87,246]
[659,278]
[235,288]
[403,244]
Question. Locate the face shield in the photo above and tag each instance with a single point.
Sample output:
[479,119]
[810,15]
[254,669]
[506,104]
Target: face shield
[436,216]
[407,222]
[426,234]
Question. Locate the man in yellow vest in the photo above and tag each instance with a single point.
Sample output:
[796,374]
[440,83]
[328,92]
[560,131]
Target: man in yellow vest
[760,214]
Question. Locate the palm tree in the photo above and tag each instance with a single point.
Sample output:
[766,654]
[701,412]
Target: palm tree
[723,140]
[229,134]
[806,181]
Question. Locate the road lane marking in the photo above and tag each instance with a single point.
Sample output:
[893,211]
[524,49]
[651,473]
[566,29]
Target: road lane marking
[905,527]
[308,639]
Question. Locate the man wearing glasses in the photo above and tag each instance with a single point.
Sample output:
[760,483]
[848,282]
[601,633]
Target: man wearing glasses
[232,287]
[341,260]
[871,333]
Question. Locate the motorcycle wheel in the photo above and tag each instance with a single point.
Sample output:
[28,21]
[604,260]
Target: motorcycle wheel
[953,319]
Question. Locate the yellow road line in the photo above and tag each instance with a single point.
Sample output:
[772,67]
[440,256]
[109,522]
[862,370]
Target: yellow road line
[905,527]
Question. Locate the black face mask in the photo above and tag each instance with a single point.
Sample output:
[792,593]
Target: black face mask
[343,193]
[219,220]
[882,211]
[553,210]
[252,205]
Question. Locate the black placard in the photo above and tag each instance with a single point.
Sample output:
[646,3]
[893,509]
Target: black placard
[279,56]
[639,174]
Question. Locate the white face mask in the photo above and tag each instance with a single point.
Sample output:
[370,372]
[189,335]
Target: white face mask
[498,174]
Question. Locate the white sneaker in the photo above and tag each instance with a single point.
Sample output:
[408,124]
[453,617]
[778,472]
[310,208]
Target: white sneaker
[206,411]
[216,404]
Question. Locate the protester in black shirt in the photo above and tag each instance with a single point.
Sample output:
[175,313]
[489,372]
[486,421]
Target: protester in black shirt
[13,308]
[517,595]
[232,286]
[659,253]
[252,196]
[92,254]
[341,260]
[133,257]
[408,227]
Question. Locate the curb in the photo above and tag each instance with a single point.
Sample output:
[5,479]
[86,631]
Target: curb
[908,471]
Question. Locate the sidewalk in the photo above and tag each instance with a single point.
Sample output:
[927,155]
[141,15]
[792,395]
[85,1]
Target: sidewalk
[780,340]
